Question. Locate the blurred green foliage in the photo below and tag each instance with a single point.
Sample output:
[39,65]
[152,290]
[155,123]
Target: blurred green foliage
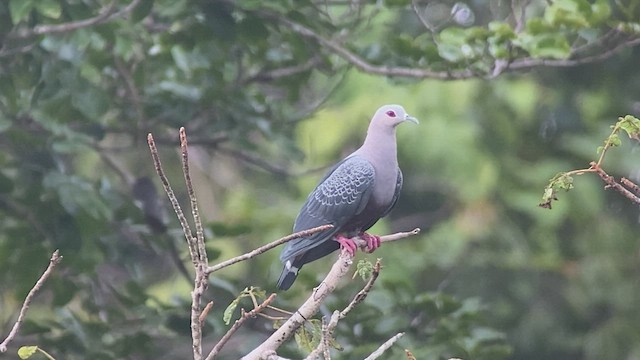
[267,109]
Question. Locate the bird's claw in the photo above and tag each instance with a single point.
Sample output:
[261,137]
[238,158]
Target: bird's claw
[373,241]
[347,244]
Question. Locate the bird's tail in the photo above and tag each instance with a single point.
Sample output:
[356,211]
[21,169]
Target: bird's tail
[288,276]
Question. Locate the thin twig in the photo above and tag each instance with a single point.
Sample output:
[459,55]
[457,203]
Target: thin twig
[362,294]
[631,185]
[186,229]
[205,311]
[384,347]
[612,183]
[55,259]
[267,247]
[237,324]
[200,265]
[329,327]
[200,245]
[310,307]
[425,22]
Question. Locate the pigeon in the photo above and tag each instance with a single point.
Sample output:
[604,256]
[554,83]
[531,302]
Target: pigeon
[352,196]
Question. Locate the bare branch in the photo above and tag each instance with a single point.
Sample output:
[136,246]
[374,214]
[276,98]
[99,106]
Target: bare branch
[55,259]
[200,246]
[384,347]
[310,307]
[328,328]
[612,183]
[186,229]
[237,324]
[195,244]
[631,185]
[205,311]
[267,247]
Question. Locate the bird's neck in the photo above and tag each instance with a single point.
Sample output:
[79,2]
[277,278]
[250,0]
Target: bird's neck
[380,145]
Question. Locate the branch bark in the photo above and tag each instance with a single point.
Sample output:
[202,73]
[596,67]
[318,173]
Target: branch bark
[310,307]
[55,259]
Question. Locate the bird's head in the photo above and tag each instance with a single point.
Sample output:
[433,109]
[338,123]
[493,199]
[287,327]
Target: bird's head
[392,115]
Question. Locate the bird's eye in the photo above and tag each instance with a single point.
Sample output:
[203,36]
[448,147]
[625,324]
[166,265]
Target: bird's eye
[391,113]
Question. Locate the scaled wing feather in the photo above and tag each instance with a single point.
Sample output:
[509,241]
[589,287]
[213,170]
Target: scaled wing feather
[341,195]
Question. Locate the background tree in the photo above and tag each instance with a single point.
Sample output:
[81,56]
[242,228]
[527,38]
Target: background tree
[82,82]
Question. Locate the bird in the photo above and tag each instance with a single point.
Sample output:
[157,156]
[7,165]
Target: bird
[352,196]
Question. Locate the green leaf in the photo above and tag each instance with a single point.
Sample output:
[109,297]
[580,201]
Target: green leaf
[76,194]
[614,140]
[307,339]
[141,11]
[600,12]
[364,269]
[569,13]
[49,8]
[20,9]
[551,45]
[228,312]
[26,352]
[631,125]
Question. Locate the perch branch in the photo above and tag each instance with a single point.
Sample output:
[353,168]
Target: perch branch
[267,247]
[55,259]
[237,324]
[339,269]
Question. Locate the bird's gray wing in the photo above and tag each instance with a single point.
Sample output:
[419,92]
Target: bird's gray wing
[341,195]
[396,194]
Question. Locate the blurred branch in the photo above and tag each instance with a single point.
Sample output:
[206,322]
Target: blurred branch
[528,63]
[255,160]
[519,64]
[237,324]
[105,15]
[55,259]
[275,74]
[362,64]
[339,269]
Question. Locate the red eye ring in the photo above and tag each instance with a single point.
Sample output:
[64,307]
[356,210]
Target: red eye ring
[391,113]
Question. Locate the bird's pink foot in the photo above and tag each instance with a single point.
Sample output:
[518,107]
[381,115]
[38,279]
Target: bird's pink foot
[373,241]
[347,244]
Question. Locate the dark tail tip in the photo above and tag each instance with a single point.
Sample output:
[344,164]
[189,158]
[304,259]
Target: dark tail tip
[286,279]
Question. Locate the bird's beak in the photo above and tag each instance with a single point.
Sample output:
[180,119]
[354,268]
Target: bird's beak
[408,117]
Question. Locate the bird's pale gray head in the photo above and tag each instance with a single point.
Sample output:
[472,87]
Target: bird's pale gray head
[392,115]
